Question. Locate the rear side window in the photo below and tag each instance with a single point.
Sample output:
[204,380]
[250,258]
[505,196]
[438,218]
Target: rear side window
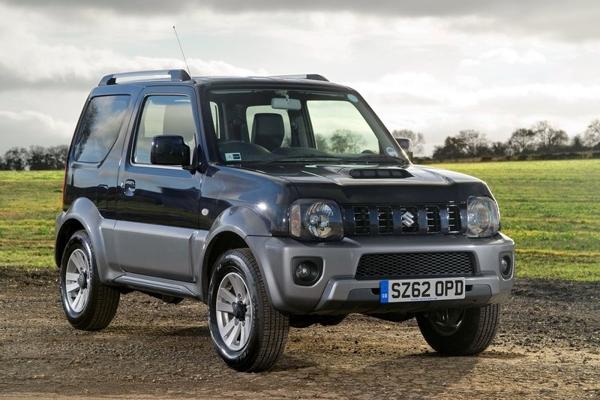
[100,128]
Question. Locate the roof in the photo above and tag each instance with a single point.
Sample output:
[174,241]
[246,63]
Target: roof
[179,76]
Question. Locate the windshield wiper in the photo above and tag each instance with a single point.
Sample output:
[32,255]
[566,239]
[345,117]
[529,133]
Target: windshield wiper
[307,158]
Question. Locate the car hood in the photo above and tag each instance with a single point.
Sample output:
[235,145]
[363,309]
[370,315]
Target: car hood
[352,175]
[377,183]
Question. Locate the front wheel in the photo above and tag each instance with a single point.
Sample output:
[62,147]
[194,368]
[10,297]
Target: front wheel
[460,332]
[248,333]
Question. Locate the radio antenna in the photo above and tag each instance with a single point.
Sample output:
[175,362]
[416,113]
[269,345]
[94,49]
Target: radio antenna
[182,53]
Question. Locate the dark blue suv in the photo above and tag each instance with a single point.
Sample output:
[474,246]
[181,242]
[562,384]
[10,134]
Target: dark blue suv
[277,201]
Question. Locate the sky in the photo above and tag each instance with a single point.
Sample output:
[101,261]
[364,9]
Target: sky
[435,67]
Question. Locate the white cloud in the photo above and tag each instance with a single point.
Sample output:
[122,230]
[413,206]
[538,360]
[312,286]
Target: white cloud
[438,109]
[573,20]
[30,127]
[437,67]
[506,55]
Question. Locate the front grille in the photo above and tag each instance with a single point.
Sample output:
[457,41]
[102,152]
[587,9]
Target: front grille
[391,219]
[415,265]
[385,219]
[361,220]
[434,224]
[454,224]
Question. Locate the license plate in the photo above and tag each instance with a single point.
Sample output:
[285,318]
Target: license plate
[405,290]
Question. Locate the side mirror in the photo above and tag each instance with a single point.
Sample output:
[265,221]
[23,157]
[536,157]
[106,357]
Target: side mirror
[404,143]
[170,150]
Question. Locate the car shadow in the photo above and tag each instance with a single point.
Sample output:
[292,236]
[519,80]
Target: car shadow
[200,331]
[489,354]
[290,363]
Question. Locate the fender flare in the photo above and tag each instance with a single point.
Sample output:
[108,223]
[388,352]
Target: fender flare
[239,220]
[85,212]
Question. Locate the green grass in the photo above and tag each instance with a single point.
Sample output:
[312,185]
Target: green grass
[552,211]
[29,204]
[550,208]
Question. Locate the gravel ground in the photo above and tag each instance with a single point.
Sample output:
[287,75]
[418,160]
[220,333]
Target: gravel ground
[548,347]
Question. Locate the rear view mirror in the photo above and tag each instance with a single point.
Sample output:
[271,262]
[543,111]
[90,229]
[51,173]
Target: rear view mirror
[283,103]
[169,150]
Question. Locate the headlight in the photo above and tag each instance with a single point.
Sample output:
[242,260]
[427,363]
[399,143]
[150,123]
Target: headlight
[483,217]
[316,219]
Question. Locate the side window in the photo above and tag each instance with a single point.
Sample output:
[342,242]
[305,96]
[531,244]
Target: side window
[269,112]
[164,115]
[100,128]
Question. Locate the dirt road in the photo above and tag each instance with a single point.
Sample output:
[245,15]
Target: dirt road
[548,347]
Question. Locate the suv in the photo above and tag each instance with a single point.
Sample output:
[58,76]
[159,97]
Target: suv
[277,201]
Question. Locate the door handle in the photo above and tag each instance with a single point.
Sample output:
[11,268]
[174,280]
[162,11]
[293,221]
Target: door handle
[128,187]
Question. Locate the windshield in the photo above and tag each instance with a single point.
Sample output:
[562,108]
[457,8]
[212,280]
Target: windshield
[284,126]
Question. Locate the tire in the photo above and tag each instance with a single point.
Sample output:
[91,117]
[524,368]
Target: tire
[474,333]
[258,342]
[99,303]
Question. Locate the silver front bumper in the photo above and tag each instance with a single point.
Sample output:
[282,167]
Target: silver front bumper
[337,292]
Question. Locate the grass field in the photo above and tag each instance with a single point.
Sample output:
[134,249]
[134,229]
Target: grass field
[550,208]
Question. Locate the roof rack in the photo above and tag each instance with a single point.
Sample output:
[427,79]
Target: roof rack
[313,77]
[175,75]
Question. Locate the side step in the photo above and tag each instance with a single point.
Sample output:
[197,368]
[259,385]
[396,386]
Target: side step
[161,286]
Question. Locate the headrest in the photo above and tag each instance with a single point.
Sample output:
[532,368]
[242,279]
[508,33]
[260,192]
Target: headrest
[267,130]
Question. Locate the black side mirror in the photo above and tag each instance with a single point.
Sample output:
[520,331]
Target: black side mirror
[170,150]
[404,143]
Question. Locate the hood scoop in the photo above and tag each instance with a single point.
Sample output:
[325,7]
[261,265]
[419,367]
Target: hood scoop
[383,173]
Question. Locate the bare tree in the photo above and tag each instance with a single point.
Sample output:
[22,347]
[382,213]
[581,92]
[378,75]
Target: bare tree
[16,158]
[522,141]
[577,143]
[499,149]
[591,136]
[475,142]
[548,136]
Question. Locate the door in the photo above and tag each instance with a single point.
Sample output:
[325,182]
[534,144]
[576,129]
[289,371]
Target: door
[158,205]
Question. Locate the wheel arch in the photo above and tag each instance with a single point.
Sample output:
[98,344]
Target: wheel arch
[229,231]
[220,243]
[68,228]
[82,215]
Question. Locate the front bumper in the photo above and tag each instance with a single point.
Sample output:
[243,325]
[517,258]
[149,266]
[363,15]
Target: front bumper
[337,292]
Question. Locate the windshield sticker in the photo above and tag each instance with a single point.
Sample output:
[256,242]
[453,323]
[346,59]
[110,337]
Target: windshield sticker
[352,98]
[233,157]
[391,151]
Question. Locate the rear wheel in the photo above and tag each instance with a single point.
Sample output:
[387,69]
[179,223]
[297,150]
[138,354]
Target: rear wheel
[88,304]
[460,332]
[248,333]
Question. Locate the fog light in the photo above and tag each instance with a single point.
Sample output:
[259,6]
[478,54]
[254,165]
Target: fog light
[506,267]
[307,271]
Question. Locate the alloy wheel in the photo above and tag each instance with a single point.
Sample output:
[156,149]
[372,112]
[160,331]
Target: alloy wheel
[77,280]
[234,311]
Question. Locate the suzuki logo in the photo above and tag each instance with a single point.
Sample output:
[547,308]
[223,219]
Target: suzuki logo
[408,219]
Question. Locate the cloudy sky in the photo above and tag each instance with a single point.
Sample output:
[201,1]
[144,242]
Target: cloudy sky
[431,66]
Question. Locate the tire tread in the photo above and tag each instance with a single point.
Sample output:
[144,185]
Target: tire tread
[104,300]
[275,326]
[477,333]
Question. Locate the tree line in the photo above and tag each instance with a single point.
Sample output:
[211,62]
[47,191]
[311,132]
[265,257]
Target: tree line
[541,140]
[34,158]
